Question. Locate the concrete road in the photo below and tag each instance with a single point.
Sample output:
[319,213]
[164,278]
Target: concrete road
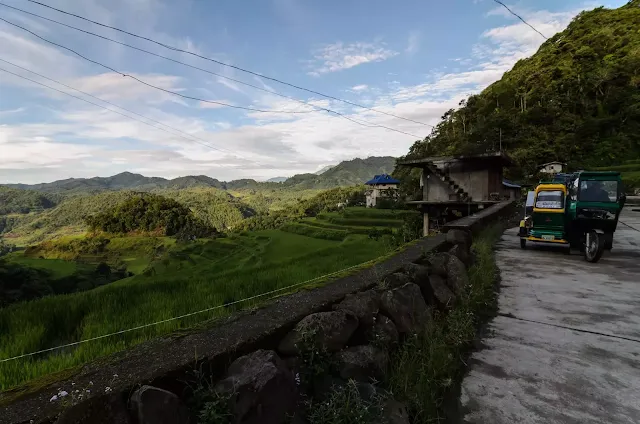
[565,347]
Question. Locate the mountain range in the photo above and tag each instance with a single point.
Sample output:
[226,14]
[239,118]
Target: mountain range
[351,172]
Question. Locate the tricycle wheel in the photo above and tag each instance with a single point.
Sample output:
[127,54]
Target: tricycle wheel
[594,246]
[523,243]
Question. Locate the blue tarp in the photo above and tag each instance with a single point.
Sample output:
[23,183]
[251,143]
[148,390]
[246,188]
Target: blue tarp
[382,179]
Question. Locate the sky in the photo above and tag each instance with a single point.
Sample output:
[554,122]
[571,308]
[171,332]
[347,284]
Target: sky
[411,58]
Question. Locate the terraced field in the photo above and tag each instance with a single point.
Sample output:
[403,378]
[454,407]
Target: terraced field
[176,279]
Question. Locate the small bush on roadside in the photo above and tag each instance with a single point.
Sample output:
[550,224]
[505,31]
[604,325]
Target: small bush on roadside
[346,405]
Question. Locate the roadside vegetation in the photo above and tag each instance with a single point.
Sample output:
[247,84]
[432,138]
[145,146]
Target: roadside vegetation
[426,371]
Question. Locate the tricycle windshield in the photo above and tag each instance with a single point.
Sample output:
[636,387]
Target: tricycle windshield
[598,191]
[550,199]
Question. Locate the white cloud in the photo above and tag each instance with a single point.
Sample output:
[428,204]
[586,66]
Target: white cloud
[339,56]
[413,43]
[361,87]
[112,86]
[12,111]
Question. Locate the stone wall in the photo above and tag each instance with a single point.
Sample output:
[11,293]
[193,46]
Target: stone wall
[255,359]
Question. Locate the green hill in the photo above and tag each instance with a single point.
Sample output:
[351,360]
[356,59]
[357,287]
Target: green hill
[149,214]
[576,100]
[347,173]
[18,201]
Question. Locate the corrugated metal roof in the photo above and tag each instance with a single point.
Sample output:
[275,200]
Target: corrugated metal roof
[510,184]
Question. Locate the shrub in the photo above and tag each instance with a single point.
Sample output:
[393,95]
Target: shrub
[346,405]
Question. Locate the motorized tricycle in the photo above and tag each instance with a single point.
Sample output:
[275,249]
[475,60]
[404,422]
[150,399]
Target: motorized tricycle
[578,211]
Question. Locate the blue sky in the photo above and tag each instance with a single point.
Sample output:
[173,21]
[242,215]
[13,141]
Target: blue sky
[414,59]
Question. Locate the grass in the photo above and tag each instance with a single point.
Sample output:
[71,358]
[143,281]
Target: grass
[315,232]
[428,367]
[336,218]
[57,267]
[183,279]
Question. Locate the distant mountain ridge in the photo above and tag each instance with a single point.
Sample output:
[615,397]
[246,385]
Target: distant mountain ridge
[346,173]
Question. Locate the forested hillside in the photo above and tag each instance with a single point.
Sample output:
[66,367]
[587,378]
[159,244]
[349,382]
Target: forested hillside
[149,214]
[216,208]
[22,201]
[352,172]
[576,100]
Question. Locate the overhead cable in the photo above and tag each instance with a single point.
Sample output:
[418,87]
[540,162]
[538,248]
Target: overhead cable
[238,68]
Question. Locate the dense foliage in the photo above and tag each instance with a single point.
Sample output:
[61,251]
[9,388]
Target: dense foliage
[22,201]
[149,213]
[216,208]
[576,100]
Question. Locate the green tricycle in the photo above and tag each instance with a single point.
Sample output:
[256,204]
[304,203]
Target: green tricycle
[578,211]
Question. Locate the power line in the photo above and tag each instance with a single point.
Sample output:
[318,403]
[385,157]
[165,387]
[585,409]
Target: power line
[318,108]
[499,2]
[146,83]
[231,66]
[180,316]
[191,136]
[115,111]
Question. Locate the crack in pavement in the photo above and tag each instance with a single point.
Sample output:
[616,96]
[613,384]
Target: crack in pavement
[509,315]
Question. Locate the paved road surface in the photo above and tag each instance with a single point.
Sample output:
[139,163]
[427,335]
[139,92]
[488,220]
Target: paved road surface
[565,347]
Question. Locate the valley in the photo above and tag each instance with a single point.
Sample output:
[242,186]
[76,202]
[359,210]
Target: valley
[85,263]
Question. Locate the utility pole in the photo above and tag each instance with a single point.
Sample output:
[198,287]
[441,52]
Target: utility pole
[500,139]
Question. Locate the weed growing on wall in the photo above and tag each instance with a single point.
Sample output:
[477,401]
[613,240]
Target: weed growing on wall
[426,369]
[345,405]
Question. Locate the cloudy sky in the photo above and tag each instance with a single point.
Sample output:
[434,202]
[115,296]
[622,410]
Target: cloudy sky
[411,58]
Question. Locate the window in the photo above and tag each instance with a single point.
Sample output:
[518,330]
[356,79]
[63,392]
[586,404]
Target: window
[598,191]
[551,199]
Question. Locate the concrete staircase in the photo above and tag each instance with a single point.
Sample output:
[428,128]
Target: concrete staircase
[444,177]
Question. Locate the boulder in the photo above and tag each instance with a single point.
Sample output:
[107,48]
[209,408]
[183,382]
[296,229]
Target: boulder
[459,237]
[383,333]
[441,292]
[104,409]
[438,264]
[394,412]
[406,308]
[457,277]
[419,274]
[363,305]
[460,252]
[323,330]
[397,279]
[260,388]
[152,405]
[362,363]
